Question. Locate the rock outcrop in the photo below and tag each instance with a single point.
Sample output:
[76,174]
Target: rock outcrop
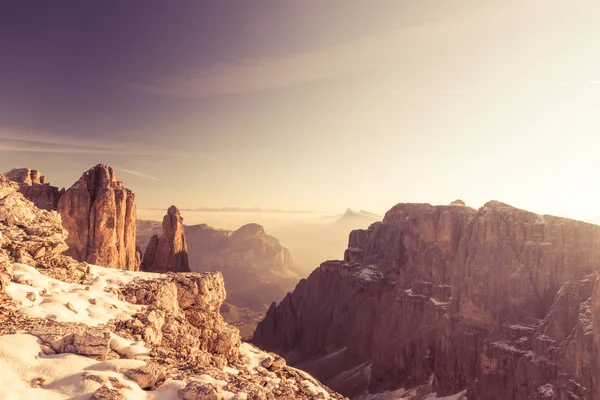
[169,252]
[125,333]
[498,302]
[32,236]
[100,213]
[34,187]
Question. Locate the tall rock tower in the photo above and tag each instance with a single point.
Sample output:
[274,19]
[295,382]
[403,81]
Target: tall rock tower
[100,215]
[169,252]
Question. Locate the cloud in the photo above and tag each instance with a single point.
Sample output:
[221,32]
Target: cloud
[239,210]
[277,72]
[43,142]
[136,173]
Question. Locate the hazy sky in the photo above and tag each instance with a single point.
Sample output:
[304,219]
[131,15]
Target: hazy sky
[309,105]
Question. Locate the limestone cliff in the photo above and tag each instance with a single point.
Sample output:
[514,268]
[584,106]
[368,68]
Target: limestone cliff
[100,213]
[496,301]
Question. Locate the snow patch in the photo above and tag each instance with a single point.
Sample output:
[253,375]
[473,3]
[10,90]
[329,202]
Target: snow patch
[369,273]
[62,376]
[71,302]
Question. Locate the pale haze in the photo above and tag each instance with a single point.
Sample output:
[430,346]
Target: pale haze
[310,106]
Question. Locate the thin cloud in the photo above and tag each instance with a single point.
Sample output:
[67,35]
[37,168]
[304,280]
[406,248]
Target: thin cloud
[239,210]
[42,142]
[249,76]
[136,173]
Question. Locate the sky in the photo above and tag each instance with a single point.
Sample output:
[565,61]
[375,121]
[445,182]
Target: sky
[309,105]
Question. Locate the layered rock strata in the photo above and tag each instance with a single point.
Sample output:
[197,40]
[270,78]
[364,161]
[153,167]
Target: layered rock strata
[499,302]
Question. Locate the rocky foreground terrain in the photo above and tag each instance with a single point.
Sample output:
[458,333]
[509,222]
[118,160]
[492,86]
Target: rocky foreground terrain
[496,303]
[71,330]
[98,212]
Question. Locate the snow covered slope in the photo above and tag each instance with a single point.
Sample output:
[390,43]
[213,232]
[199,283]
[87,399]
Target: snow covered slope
[70,330]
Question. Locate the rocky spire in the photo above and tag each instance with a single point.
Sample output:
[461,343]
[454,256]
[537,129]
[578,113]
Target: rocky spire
[100,213]
[169,252]
[34,188]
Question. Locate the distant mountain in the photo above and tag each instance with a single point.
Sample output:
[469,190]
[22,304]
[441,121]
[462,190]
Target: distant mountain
[350,214]
[257,268]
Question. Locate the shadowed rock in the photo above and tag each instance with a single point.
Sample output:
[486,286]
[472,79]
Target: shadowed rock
[168,253]
[499,302]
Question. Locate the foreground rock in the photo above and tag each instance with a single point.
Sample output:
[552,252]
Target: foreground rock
[32,236]
[122,334]
[100,213]
[498,302]
[34,188]
[168,252]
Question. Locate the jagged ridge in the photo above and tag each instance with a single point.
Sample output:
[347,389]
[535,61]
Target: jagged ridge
[156,332]
[497,301]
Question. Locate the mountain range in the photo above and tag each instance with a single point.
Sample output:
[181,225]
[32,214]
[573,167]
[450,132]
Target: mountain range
[430,302]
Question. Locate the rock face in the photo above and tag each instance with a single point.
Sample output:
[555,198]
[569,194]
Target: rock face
[499,302]
[165,333]
[100,213]
[256,267]
[35,188]
[32,236]
[169,252]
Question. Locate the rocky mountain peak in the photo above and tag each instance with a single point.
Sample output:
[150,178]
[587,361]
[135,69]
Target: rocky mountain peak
[100,213]
[249,230]
[35,188]
[25,176]
[169,252]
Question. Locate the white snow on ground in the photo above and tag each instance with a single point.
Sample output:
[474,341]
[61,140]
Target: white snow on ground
[369,273]
[403,394]
[128,348]
[21,362]
[456,396]
[388,395]
[252,357]
[56,299]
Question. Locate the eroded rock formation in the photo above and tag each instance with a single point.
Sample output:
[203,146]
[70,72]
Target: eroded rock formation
[499,302]
[32,236]
[256,267]
[166,333]
[169,252]
[100,213]
[34,187]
